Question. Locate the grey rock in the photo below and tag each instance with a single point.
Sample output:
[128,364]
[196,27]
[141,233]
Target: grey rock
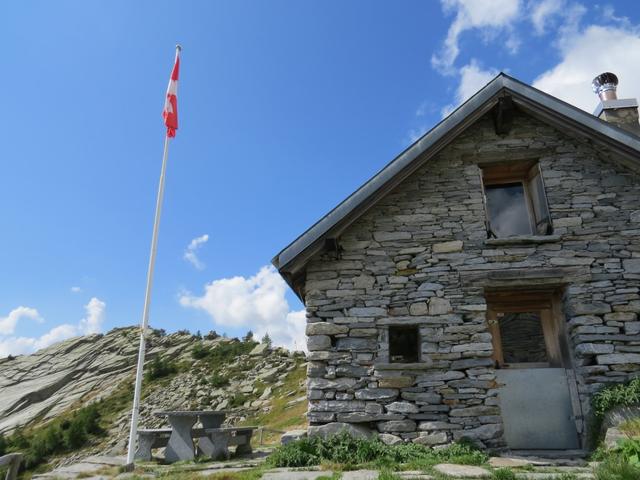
[593,348]
[437,438]
[389,439]
[356,343]
[447,247]
[377,394]
[296,475]
[402,407]
[292,436]
[618,358]
[397,426]
[334,428]
[483,432]
[439,306]
[325,328]
[360,475]
[318,342]
[461,471]
[631,265]
[260,350]
[367,312]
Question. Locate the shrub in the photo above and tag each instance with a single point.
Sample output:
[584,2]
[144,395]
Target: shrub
[615,467]
[226,352]
[212,335]
[3,445]
[74,436]
[238,400]
[347,450]
[615,396]
[199,351]
[218,380]
[629,448]
[160,367]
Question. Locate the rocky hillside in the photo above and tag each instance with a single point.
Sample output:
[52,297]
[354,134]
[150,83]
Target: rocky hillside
[251,381]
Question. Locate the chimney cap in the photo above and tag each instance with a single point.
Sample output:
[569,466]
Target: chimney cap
[605,82]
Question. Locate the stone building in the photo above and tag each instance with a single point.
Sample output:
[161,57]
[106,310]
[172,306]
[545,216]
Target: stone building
[485,283]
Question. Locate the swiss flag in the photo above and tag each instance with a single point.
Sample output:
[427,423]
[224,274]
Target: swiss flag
[170,112]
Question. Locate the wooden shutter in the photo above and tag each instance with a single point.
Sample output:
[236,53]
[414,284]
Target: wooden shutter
[538,197]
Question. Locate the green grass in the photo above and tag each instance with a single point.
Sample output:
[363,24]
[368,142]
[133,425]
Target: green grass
[349,452]
[503,474]
[631,427]
[616,467]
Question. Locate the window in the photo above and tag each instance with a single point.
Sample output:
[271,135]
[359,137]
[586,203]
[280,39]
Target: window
[522,337]
[515,200]
[526,328]
[404,344]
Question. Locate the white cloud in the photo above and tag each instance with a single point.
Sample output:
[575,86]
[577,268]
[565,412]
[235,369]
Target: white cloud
[92,323]
[588,52]
[76,290]
[190,252]
[472,78]
[542,11]
[12,345]
[8,323]
[488,15]
[256,302]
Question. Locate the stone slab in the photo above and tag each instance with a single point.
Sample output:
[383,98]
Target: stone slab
[360,475]
[284,474]
[462,471]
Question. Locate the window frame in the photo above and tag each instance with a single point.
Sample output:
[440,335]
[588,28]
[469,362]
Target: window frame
[548,304]
[524,173]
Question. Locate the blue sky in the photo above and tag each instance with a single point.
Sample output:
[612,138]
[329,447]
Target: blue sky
[285,108]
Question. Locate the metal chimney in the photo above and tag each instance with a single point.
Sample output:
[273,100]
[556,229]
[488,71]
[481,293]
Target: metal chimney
[605,85]
[622,112]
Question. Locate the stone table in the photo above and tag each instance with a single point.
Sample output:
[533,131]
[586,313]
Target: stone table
[180,445]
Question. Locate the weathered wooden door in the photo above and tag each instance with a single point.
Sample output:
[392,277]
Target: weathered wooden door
[536,399]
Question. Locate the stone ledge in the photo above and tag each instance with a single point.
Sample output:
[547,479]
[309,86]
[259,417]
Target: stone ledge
[522,240]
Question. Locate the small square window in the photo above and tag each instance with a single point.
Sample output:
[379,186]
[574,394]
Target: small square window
[404,344]
[515,200]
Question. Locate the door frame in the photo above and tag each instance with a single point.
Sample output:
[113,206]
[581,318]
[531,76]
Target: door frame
[548,302]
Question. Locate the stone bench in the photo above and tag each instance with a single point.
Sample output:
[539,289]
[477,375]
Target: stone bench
[212,442]
[216,441]
[12,462]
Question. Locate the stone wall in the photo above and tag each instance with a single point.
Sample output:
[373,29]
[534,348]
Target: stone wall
[420,257]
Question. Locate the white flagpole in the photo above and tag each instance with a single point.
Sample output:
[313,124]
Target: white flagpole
[145,311]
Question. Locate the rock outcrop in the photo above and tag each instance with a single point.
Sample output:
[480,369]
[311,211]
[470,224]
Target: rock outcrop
[73,372]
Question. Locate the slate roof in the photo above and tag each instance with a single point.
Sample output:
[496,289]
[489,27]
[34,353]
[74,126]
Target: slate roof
[291,261]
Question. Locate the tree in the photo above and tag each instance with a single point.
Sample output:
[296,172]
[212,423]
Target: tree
[248,337]
[267,340]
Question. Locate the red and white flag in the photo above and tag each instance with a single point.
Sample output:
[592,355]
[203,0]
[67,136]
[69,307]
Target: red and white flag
[170,112]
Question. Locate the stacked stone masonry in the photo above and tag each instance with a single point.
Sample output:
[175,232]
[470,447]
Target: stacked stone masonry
[411,260]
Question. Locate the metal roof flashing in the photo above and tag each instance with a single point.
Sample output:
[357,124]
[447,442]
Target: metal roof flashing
[294,257]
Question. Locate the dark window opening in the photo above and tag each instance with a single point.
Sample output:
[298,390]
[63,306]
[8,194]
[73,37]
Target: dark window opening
[404,344]
[522,338]
[515,200]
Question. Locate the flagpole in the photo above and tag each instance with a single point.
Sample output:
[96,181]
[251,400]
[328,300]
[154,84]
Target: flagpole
[145,311]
